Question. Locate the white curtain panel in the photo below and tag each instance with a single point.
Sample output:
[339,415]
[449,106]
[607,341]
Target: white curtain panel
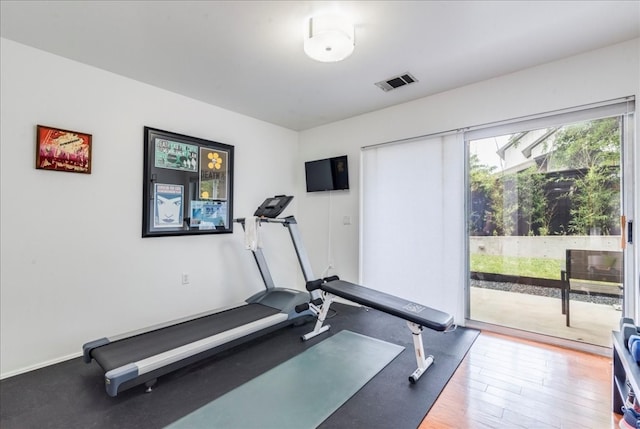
[412,232]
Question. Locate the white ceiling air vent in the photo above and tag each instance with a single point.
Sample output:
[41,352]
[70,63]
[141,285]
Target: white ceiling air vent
[396,82]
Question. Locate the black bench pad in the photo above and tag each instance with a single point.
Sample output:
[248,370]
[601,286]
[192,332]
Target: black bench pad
[411,311]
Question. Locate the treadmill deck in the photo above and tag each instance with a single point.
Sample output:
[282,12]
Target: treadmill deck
[148,344]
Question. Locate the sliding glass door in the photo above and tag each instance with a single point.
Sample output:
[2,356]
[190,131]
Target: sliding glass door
[546,232]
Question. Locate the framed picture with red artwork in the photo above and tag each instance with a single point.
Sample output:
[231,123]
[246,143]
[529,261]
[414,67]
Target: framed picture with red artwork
[63,150]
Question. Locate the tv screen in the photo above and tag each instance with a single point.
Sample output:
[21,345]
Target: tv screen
[328,174]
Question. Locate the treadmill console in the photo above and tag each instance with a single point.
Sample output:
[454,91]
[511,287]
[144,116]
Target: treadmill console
[272,207]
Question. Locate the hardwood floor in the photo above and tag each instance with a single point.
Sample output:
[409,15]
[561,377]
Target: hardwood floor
[505,382]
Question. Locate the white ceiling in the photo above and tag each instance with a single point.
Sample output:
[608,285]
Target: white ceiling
[247,56]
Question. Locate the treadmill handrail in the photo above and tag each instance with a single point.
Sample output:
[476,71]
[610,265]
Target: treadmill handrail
[291,224]
[242,220]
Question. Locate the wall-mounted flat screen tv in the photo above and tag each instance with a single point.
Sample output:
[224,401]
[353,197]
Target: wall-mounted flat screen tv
[328,174]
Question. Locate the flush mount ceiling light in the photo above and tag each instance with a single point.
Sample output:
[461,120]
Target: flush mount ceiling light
[329,38]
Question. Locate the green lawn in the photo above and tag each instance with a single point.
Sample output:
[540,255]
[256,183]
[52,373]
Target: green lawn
[510,265]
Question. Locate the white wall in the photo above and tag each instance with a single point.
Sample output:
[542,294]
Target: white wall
[74,265]
[596,76]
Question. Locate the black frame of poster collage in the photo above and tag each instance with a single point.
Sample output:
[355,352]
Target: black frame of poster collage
[188,185]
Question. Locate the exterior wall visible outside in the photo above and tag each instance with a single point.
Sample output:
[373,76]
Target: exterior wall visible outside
[550,247]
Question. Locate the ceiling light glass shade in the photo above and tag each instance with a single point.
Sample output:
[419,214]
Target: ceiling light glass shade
[329,38]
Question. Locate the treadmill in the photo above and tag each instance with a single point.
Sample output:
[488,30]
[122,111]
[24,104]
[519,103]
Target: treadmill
[140,357]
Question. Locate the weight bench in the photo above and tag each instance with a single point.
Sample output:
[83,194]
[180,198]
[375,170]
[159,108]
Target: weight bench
[417,316]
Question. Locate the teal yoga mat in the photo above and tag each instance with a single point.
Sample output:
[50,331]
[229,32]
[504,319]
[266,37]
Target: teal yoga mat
[301,392]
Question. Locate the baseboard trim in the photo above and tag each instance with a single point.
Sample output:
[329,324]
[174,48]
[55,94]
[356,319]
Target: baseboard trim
[30,368]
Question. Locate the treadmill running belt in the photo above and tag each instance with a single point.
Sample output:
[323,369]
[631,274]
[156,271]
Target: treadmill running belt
[122,352]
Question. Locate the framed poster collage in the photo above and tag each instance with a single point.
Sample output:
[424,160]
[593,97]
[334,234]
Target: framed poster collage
[188,185]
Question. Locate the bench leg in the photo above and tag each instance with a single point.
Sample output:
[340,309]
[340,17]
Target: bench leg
[424,362]
[322,312]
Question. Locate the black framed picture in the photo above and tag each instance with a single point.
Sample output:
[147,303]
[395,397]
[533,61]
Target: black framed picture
[188,185]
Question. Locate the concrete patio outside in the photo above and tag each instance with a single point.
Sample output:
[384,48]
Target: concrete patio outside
[591,323]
